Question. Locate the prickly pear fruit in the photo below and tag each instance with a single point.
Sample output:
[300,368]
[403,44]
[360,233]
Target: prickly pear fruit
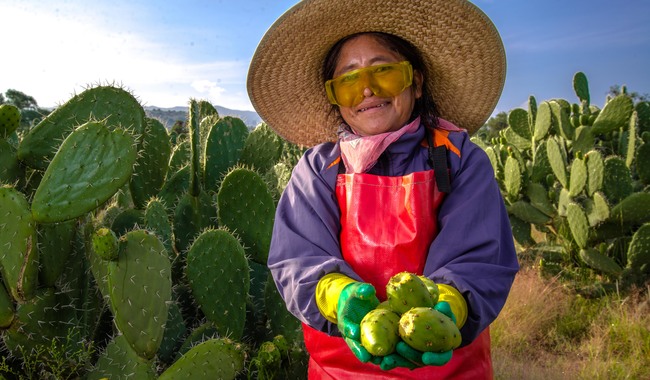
[432,287]
[105,243]
[428,330]
[406,290]
[380,331]
[9,119]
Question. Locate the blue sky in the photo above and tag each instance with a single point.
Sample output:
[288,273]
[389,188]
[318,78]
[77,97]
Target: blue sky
[167,52]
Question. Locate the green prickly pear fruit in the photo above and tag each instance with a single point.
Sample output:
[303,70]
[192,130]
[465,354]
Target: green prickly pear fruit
[405,291]
[428,330]
[268,358]
[380,331]
[91,165]
[105,243]
[212,359]
[9,119]
[432,287]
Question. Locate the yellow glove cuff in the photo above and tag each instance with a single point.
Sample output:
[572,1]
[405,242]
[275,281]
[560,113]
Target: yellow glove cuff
[456,301]
[328,290]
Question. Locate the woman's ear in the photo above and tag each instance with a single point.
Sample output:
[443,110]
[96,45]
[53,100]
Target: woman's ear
[417,84]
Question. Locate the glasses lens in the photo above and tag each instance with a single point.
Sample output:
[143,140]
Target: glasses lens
[385,81]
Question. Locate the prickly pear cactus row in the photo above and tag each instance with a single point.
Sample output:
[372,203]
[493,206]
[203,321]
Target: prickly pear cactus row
[132,252]
[575,181]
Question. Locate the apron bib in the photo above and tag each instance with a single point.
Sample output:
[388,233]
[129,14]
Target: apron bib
[387,226]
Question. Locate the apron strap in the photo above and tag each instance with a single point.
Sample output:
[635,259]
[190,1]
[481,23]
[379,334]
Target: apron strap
[438,161]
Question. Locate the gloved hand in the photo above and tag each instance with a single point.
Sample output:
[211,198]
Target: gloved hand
[407,356]
[344,301]
[355,301]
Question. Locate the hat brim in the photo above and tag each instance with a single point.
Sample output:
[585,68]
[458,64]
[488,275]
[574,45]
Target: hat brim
[461,49]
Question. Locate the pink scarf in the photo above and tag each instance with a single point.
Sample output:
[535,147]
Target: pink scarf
[360,153]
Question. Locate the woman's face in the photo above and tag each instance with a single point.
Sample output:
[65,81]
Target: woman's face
[375,115]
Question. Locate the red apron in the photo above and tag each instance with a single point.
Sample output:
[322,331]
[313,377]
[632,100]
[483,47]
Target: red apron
[387,226]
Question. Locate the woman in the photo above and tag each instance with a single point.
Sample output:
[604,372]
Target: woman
[380,89]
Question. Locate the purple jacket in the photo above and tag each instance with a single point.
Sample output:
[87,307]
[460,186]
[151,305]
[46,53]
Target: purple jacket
[473,252]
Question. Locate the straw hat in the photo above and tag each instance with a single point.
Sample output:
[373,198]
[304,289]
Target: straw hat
[461,48]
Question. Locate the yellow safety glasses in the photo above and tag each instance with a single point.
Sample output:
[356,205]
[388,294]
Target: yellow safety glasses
[385,81]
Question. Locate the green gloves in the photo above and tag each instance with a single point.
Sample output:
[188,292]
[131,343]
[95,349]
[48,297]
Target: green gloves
[355,301]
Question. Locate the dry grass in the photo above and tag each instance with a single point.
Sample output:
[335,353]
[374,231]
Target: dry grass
[547,332]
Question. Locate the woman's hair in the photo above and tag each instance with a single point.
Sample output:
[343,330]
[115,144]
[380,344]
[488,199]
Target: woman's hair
[424,106]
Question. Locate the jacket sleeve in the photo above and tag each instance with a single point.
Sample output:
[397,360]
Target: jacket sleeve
[305,242]
[474,250]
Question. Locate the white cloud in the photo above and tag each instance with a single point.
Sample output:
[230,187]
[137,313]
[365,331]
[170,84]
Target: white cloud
[56,54]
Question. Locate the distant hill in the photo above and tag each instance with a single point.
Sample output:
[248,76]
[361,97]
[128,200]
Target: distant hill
[169,116]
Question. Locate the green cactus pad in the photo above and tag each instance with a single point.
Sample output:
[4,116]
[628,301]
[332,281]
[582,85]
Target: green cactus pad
[119,361]
[599,262]
[643,110]
[175,331]
[139,287]
[180,158]
[56,244]
[578,224]
[9,119]
[561,110]
[614,115]
[156,220]
[597,209]
[213,359]
[278,177]
[521,231]
[518,121]
[638,254]
[7,310]
[581,87]
[578,177]
[10,169]
[49,316]
[115,106]
[192,215]
[493,160]
[177,184]
[512,178]
[538,196]
[543,121]
[633,210]
[541,165]
[595,171]
[19,253]
[642,163]
[89,168]
[281,321]
[617,180]
[262,149]
[528,213]
[246,206]
[557,161]
[218,274]
[151,165]
[223,149]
